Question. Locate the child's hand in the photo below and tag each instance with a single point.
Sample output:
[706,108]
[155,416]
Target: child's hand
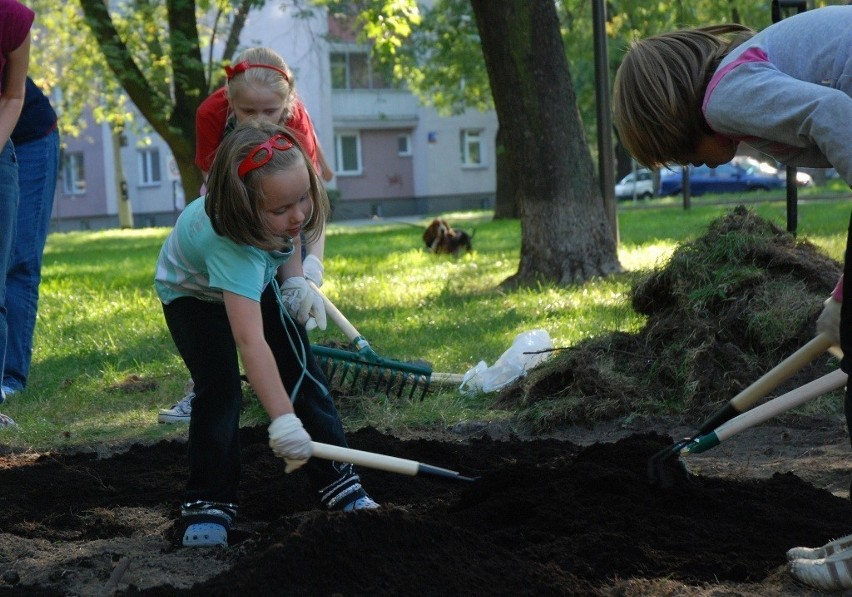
[829,320]
[289,440]
[313,268]
[304,305]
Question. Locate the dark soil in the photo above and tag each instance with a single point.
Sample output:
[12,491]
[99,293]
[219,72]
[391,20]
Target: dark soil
[544,517]
[570,513]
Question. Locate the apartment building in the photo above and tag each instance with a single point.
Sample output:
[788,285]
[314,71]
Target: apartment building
[391,154]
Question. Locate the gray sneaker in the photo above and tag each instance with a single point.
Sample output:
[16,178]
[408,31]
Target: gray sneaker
[179,413]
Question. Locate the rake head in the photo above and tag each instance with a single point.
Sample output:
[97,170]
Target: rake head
[366,371]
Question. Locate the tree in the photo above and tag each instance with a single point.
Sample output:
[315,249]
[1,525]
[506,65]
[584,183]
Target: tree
[565,236]
[149,50]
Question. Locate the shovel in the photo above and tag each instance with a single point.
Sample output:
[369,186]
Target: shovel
[666,469]
[759,414]
[382,462]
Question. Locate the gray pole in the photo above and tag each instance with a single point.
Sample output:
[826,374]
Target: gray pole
[606,171]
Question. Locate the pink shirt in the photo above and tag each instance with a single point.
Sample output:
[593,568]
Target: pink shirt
[15,23]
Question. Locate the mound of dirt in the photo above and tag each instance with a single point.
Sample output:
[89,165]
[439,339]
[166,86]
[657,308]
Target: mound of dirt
[722,311]
[544,517]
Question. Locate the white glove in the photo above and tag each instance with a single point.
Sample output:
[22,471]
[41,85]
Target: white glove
[289,440]
[303,303]
[828,322]
[313,269]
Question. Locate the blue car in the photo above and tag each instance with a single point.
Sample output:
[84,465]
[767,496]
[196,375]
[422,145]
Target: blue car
[727,178]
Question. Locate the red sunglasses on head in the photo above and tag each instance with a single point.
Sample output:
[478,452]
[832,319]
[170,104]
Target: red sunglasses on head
[260,155]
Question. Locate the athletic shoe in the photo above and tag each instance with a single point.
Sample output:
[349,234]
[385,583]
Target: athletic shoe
[833,573]
[362,503]
[817,553]
[179,413]
[7,421]
[205,534]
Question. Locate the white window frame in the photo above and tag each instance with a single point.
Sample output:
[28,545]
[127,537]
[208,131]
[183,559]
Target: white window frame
[471,138]
[72,161]
[146,159]
[403,145]
[339,169]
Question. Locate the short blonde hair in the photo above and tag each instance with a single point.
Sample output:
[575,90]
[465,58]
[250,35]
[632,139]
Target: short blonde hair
[273,79]
[235,205]
[659,90]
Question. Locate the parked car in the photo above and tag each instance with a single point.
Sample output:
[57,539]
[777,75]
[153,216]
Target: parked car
[727,178]
[639,184]
[803,179]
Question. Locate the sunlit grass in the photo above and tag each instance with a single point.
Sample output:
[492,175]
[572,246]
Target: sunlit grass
[104,361]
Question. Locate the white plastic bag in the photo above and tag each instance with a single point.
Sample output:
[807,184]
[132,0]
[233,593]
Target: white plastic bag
[511,365]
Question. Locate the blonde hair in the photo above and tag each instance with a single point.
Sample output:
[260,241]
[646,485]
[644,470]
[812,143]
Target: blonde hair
[235,205]
[278,79]
[659,90]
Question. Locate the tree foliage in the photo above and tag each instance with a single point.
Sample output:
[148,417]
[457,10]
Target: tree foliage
[104,56]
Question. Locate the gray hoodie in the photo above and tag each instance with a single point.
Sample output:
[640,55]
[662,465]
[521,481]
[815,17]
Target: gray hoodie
[788,91]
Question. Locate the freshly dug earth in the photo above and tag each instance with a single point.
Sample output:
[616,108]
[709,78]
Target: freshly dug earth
[566,513]
[548,516]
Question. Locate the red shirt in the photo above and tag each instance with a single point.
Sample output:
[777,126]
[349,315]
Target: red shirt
[212,116]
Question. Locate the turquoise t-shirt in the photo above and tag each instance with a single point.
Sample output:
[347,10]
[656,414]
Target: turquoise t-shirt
[196,262]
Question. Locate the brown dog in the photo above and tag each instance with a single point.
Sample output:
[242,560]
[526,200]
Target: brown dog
[441,238]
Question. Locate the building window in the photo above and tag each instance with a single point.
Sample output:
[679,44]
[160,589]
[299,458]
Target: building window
[471,148]
[347,153]
[354,70]
[403,145]
[149,167]
[73,173]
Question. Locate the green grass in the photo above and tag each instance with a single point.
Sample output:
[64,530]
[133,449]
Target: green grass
[104,361]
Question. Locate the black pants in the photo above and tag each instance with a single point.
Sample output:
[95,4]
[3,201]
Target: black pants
[203,337]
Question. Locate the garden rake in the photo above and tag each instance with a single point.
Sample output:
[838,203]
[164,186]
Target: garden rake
[364,369]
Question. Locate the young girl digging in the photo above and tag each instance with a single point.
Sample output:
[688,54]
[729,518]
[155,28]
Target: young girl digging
[217,278]
[259,86]
[692,96]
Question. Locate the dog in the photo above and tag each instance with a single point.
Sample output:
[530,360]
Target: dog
[441,238]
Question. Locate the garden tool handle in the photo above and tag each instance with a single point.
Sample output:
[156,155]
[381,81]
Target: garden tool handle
[827,383]
[775,376]
[766,383]
[381,462]
[339,318]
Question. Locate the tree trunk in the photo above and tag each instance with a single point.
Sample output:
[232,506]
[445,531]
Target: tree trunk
[506,196]
[565,234]
[174,120]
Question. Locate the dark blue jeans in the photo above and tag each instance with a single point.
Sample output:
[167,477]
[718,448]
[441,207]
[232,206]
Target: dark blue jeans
[8,220]
[204,340]
[38,165]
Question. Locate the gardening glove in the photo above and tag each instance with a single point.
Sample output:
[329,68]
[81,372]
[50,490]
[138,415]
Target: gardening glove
[828,322]
[289,440]
[303,303]
[313,269]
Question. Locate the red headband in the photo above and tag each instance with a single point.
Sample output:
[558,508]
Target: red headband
[241,67]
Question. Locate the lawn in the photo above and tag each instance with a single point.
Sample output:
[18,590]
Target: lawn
[104,362]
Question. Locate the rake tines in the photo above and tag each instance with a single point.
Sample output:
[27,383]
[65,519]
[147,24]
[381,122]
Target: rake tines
[364,371]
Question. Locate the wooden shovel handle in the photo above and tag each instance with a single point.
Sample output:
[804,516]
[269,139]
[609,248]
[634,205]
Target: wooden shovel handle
[336,316]
[775,376]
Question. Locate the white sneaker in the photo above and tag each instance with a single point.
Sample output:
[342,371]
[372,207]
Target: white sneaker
[179,413]
[833,573]
[816,553]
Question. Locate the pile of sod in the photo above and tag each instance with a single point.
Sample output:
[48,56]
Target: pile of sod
[722,311]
